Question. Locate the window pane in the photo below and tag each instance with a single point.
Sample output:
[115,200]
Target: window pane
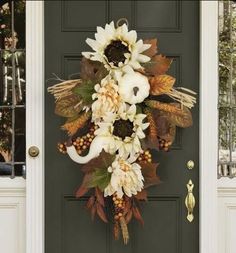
[227,88]
[224,135]
[12,88]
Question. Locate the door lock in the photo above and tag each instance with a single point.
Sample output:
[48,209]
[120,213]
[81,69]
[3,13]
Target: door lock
[33,151]
[190,164]
[190,201]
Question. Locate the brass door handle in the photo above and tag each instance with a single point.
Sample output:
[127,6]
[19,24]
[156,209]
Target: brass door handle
[33,151]
[190,201]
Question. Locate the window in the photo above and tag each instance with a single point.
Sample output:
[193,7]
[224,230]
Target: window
[12,88]
[227,89]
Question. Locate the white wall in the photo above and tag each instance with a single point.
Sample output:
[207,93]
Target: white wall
[12,215]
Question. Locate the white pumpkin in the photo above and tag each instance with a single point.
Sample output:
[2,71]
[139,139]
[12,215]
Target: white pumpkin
[133,87]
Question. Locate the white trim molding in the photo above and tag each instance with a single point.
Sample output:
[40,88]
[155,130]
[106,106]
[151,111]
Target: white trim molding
[226,219]
[12,215]
[208,125]
[35,125]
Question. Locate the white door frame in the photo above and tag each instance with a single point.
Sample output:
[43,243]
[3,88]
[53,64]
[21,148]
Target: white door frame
[208,125]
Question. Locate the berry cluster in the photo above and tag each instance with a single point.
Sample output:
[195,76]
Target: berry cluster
[145,157]
[119,205]
[164,145]
[80,143]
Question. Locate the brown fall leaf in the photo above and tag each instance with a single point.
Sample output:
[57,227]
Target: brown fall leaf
[153,49]
[137,215]
[158,65]
[104,160]
[99,196]
[90,202]
[93,212]
[101,213]
[83,189]
[165,129]
[68,106]
[141,195]
[161,84]
[128,216]
[92,70]
[167,107]
[149,171]
[181,120]
[184,120]
[73,126]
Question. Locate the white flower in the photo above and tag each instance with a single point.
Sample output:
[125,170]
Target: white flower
[107,99]
[123,131]
[117,48]
[126,178]
[134,88]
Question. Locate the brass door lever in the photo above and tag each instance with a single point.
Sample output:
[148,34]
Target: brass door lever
[190,201]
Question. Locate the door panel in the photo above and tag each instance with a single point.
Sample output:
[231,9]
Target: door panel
[68,225]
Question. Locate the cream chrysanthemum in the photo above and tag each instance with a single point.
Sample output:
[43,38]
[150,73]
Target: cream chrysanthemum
[122,132]
[117,48]
[107,99]
[126,178]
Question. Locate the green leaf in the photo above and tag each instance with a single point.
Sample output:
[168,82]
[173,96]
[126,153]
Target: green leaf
[100,178]
[85,91]
[139,109]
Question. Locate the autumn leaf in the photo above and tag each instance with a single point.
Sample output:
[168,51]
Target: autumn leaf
[149,174]
[181,120]
[99,196]
[92,70]
[153,49]
[158,65]
[128,216]
[93,212]
[141,195]
[83,189]
[101,212]
[167,107]
[73,126]
[165,129]
[90,202]
[104,160]
[68,106]
[137,215]
[161,84]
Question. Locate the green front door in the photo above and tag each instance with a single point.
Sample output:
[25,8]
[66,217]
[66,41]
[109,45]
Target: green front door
[69,228]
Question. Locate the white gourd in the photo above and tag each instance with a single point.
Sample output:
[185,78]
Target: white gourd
[133,87]
[96,148]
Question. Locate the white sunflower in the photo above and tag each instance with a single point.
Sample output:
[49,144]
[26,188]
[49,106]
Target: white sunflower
[126,178]
[107,99]
[117,48]
[122,132]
